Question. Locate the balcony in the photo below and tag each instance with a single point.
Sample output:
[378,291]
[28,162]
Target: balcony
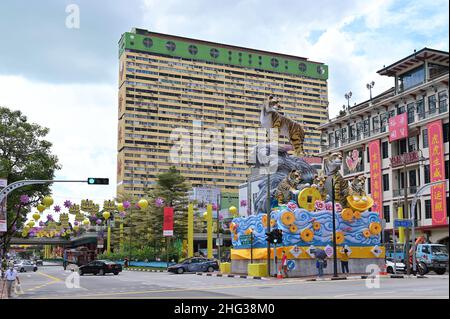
[401,192]
[405,159]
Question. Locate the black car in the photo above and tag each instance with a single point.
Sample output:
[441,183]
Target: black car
[195,264]
[100,267]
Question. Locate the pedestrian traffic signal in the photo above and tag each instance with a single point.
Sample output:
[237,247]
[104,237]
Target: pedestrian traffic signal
[98,181]
[277,236]
[269,237]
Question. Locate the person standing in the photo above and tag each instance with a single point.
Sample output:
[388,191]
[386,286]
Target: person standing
[10,277]
[284,266]
[344,260]
[320,262]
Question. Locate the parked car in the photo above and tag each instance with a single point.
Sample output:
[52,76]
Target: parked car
[25,265]
[39,262]
[432,257]
[100,267]
[195,264]
[399,266]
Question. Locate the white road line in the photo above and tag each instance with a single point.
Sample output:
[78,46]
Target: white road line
[344,295]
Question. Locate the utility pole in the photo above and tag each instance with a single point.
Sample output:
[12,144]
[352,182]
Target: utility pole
[334,231]
[218,227]
[405,215]
[268,219]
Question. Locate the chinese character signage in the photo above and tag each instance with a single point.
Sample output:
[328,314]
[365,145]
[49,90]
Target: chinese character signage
[3,211]
[375,176]
[437,173]
[398,127]
[168,221]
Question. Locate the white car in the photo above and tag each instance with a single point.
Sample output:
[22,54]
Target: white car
[399,266]
[25,265]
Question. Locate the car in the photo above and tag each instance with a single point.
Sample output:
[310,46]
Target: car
[195,264]
[431,257]
[24,265]
[399,266]
[39,262]
[100,267]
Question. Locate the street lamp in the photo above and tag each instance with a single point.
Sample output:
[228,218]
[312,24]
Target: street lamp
[348,97]
[106,216]
[251,245]
[334,231]
[370,87]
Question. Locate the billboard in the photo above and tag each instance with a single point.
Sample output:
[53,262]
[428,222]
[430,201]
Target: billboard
[398,127]
[203,196]
[3,214]
[168,221]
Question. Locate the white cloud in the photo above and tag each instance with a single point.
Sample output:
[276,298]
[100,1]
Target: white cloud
[83,129]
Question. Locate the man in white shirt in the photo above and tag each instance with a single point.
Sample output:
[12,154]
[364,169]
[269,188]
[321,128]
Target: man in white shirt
[11,277]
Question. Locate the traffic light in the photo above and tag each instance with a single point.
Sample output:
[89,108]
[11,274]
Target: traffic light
[277,236]
[98,181]
[269,237]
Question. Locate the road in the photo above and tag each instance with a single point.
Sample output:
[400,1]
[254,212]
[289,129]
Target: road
[50,282]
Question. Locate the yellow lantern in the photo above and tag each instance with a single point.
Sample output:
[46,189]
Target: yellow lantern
[31,223]
[76,228]
[106,215]
[47,201]
[86,222]
[232,210]
[41,208]
[120,207]
[143,203]
[36,216]
[205,215]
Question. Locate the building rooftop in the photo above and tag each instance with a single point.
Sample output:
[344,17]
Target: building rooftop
[432,55]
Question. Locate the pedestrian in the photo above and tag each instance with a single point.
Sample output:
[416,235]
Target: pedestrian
[11,277]
[284,266]
[321,262]
[126,263]
[344,260]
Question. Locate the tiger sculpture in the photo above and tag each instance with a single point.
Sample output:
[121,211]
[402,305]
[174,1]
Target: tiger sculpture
[332,164]
[319,184]
[287,185]
[271,118]
[357,186]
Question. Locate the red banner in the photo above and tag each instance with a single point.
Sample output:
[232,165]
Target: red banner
[437,173]
[168,221]
[398,127]
[375,176]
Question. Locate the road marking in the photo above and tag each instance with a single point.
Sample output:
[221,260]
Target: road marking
[54,280]
[344,295]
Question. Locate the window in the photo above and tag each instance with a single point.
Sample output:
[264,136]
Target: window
[420,109]
[375,123]
[330,139]
[412,144]
[412,179]
[351,132]
[384,121]
[400,109]
[359,130]
[302,67]
[385,149]
[368,156]
[344,134]
[366,127]
[425,138]
[401,147]
[337,135]
[442,101]
[192,49]
[445,132]
[410,113]
[411,78]
[214,53]
[427,208]
[446,169]
[387,213]
[147,42]
[385,182]
[274,62]
[432,104]
[171,46]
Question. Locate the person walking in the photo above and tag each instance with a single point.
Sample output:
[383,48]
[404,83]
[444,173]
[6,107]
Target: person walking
[284,266]
[11,277]
[344,260]
[321,262]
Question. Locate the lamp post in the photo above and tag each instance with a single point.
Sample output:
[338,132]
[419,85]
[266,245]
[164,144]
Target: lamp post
[218,226]
[370,87]
[107,215]
[251,245]
[348,97]
[334,230]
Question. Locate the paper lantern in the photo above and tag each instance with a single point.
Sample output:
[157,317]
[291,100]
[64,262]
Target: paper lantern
[106,215]
[47,201]
[232,210]
[120,207]
[40,208]
[143,203]
[86,222]
[31,223]
[36,216]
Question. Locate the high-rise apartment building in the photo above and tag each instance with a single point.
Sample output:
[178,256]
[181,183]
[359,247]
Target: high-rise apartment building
[173,85]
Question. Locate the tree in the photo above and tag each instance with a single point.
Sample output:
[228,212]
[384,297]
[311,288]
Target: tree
[24,154]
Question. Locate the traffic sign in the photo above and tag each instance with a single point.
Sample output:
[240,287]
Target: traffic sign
[407,223]
[98,181]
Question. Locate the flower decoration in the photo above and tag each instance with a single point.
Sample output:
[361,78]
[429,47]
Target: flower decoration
[243,203]
[214,206]
[57,208]
[329,206]
[126,204]
[98,221]
[50,217]
[292,205]
[24,199]
[159,202]
[319,205]
[338,207]
[67,204]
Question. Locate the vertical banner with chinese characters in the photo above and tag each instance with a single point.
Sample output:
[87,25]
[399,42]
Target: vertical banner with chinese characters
[3,211]
[168,221]
[375,176]
[437,171]
[398,127]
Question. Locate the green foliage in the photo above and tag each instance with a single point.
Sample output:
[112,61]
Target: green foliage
[24,154]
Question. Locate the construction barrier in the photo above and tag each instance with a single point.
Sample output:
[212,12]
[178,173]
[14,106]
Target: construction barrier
[225,268]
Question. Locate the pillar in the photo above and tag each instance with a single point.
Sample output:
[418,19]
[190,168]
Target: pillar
[209,227]
[190,243]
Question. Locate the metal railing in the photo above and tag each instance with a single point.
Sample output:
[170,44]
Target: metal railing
[401,192]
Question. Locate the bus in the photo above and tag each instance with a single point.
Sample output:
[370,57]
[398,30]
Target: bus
[79,256]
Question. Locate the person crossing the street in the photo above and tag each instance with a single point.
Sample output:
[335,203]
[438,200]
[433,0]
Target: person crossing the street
[11,277]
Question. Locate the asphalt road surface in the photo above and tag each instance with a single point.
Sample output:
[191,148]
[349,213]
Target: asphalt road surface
[54,282]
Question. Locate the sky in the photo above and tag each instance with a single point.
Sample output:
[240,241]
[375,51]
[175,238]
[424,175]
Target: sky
[66,78]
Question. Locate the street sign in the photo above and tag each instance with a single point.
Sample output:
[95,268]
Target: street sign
[245,239]
[407,223]
[291,265]
[219,241]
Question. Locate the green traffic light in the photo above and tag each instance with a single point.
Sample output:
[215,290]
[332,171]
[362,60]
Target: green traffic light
[91,181]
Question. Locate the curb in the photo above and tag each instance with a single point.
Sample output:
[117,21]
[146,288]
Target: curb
[228,275]
[147,270]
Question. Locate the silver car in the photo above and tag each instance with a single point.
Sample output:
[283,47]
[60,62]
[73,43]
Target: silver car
[25,265]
